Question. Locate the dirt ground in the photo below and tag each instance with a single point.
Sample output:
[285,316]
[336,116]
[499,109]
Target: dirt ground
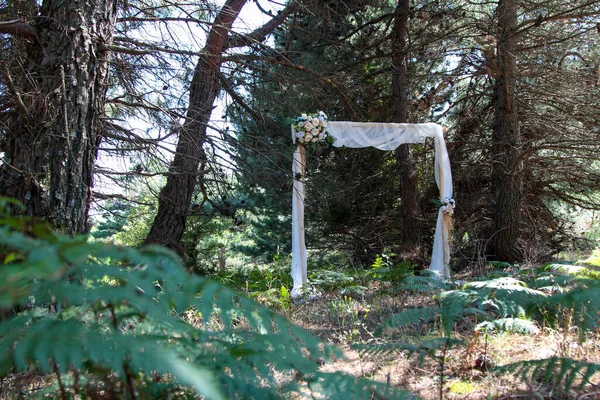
[468,368]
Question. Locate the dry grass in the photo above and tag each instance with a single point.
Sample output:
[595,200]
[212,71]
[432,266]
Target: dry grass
[348,321]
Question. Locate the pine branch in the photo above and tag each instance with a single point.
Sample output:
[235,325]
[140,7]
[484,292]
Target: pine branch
[260,34]
[17,28]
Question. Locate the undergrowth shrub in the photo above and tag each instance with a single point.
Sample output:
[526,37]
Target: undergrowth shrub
[104,321]
[559,297]
[331,280]
[258,278]
[385,270]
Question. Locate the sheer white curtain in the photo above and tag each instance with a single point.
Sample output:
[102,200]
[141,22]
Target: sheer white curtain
[299,258]
[383,136]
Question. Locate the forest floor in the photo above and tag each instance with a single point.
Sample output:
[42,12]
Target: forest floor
[352,310]
[466,369]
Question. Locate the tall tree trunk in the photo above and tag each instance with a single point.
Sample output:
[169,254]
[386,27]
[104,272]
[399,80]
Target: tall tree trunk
[411,231]
[58,92]
[507,182]
[176,196]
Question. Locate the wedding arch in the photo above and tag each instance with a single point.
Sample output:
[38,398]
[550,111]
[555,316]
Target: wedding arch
[383,136]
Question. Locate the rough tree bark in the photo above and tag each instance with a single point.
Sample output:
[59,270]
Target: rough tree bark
[175,198]
[411,230]
[507,181]
[56,78]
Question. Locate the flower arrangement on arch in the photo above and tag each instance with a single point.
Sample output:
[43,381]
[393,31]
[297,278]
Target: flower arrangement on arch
[448,206]
[311,128]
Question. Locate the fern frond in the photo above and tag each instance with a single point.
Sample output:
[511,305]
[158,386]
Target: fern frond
[411,316]
[518,325]
[69,344]
[120,315]
[456,304]
[424,284]
[552,283]
[584,300]
[426,348]
[504,296]
[507,284]
[337,386]
[558,371]
[382,350]
[573,270]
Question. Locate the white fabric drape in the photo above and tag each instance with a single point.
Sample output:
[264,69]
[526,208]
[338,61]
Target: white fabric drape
[299,258]
[383,136]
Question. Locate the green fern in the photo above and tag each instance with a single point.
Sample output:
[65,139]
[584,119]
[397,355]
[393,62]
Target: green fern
[516,325]
[551,283]
[422,349]
[565,372]
[573,270]
[413,316]
[506,304]
[582,301]
[102,317]
[504,297]
[331,280]
[338,386]
[426,283]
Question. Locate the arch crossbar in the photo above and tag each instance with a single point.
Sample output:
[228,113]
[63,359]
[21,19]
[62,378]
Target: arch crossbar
[383,136]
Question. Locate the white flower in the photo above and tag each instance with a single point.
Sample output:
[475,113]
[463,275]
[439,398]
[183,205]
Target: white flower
[311,128]
[448,206]
[448,200]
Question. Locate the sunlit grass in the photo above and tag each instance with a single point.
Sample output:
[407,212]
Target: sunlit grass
[594,259]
